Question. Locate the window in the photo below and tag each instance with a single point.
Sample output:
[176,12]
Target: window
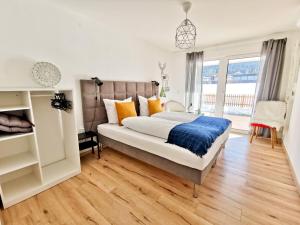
[209,86]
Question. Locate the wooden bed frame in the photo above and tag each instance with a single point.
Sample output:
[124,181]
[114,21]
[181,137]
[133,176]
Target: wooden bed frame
[122,90]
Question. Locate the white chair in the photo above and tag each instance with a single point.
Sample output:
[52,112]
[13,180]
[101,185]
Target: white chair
[174,106]
[269,115]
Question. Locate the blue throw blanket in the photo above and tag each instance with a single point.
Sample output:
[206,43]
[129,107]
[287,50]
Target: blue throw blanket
[198,135]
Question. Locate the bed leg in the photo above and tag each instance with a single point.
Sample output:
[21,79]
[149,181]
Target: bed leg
[223,145]
[195,193]
[214,164]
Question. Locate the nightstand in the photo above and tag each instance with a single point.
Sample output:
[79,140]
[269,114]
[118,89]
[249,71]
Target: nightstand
[89,139]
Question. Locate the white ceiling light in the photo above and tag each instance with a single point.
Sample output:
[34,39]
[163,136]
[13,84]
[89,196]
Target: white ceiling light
[186,32]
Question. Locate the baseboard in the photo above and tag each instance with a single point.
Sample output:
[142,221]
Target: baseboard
[297,183]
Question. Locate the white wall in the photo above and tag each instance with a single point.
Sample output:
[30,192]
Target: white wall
[37,30]
[231,50]
[292,140]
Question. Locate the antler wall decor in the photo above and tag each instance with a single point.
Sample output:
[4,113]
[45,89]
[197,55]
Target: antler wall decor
[164,78]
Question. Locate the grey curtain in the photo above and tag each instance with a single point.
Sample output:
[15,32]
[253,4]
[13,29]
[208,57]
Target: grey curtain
[269,79]
[272,56]
[193,82]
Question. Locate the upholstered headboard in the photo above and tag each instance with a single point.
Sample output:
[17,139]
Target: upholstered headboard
[111,90]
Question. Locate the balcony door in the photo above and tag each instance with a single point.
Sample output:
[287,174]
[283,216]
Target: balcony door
[239,96]
[228,89]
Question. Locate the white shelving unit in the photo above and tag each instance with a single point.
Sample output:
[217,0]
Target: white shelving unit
[13,108]
[33,162]
[5,137]
[16,162]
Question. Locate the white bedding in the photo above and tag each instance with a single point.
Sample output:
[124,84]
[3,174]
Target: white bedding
[150,125]
[176,116]
[158,146]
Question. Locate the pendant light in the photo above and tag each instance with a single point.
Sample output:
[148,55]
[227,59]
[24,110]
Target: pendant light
[186,32]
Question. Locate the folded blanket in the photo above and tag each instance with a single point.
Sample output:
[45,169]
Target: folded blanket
[198,135]
[15,129]
[152,126]
[14,121]
[183,117]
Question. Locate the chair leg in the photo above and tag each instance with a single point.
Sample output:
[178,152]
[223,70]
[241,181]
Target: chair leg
[252,134]
[272,137]
[275,134]
[214,164]
[257,132]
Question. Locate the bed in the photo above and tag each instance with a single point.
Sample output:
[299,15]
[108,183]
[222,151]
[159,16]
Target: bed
[149,149]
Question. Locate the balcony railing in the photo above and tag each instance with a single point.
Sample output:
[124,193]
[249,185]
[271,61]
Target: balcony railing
[234,104]
[231,78]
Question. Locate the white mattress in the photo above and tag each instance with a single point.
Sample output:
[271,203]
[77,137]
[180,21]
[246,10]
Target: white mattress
[158,146]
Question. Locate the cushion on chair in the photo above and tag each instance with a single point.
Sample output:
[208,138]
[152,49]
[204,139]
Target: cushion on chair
[259,125]
[268,123]
[270,114]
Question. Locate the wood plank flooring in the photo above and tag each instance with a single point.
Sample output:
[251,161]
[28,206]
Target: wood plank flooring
[251,184]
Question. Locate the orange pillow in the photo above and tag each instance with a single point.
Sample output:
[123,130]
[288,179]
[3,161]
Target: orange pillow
[154,106]
[124,110]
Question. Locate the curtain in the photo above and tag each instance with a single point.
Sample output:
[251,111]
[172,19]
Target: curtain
[269,79]
[193,82]
[272,56]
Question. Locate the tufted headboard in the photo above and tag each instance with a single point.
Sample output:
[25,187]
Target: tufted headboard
[111,90]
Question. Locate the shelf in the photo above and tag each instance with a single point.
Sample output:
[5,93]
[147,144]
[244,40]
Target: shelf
[5,137]
[87,144]
[59,171]
[85,135]
[40,96]
[18,188]
[16,162]
[13,108]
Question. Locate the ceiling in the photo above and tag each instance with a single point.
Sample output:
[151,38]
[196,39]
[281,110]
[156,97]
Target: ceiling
[217,21]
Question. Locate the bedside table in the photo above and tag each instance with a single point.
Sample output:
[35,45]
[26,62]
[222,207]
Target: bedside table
[87,140]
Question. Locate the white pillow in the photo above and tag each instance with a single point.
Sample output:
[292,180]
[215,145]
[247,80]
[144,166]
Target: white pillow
[144,111]
[111,110]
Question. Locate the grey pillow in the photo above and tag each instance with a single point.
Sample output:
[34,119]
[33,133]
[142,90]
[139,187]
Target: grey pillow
[14,121]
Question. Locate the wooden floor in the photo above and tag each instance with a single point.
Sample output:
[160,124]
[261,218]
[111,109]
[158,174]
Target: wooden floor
[251,184]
